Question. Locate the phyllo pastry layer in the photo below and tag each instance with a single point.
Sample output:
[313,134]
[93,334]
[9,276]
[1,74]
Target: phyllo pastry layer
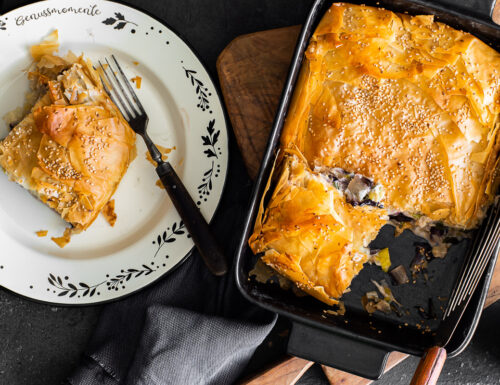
[406,101]
[73,148]
[310,234]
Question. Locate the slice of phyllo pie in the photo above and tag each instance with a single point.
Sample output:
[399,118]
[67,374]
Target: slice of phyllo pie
[73,146]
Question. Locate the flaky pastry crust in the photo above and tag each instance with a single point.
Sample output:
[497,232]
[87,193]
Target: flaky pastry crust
[410,103]
[73,148]
[310,234]
[404,100]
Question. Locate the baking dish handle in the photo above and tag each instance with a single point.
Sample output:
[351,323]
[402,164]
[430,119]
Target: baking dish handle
[340,352]
[479,8]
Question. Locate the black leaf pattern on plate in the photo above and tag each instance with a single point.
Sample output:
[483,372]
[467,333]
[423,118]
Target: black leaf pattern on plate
[120,25]
[168,236]
[125,276]
[3,25]
[71,289]
[118,21]
[211,139]
[200,89]
[83,289]
[205,188]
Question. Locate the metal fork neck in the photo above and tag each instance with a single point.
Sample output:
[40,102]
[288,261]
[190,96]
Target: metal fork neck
[153,150]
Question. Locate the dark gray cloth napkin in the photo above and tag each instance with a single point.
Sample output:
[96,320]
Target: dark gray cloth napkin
[190,328]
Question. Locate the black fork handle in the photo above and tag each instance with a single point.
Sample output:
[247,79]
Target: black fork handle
[193,220]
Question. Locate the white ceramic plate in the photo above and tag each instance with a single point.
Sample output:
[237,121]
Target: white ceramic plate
[185,112]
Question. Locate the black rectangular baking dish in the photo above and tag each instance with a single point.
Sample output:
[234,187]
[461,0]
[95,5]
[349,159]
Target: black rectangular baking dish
[358,342]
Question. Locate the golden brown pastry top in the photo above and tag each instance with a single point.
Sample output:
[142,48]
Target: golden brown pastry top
[310,234]
[409,102]
[74,147]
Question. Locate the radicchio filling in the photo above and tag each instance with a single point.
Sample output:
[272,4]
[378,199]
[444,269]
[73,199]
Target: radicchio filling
[356,187]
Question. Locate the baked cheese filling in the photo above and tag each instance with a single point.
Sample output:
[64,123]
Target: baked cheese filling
[398,115]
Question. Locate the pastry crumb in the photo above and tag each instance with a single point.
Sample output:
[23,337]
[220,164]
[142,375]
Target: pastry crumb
[42,233]
[108,212]
[137,80]
[136,63]
[159,184]
[164,154]
[64,239]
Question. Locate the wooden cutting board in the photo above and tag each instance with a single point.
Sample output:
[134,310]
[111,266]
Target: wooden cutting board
[252,71]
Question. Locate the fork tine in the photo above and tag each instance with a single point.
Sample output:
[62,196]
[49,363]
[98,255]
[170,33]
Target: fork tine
[108,91]
[456,296]
[482,266]
[131,90]
[458,289]
[483,257]
[124,93]
[488,251]
[486,243]
[124,106]
[473,278]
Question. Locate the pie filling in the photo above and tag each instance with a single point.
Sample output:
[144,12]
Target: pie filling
[360,190]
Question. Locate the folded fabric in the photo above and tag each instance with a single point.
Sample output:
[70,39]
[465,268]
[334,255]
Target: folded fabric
[189,328]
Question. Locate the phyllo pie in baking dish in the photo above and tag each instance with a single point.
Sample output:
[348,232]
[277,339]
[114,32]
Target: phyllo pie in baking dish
[73,146]
[400,102]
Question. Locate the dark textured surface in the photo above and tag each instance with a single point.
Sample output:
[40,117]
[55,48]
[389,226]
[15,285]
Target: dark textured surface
[40,344]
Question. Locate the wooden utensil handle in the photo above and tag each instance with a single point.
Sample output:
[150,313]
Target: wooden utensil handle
[430,367]
[193,219]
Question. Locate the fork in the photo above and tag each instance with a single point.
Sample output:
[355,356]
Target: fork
[135,114]
[480,253]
